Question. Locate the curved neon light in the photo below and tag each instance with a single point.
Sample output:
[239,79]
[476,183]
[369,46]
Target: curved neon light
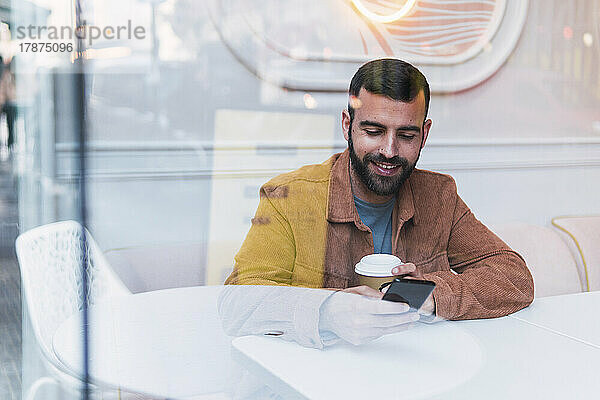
[386,19]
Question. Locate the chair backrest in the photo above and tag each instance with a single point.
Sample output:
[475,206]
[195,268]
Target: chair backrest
[50,258]
[548,257]
[583,235]
[159,266]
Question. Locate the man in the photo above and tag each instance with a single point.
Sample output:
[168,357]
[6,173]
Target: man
[8,97]
[314,224]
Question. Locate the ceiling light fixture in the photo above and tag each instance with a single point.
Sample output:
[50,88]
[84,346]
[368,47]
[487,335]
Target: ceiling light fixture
[386,19]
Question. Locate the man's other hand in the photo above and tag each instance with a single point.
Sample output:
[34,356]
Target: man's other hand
[360,319]
[407,269]
[410,271]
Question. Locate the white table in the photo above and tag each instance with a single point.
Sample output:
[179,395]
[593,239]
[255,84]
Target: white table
[167,343]
[493,359]
[576,316]
[170,343]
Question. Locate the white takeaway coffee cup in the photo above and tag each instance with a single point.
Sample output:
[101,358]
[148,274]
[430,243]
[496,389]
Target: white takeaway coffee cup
[376,269]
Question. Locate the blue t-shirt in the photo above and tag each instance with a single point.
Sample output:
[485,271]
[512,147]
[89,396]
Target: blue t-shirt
[378,217]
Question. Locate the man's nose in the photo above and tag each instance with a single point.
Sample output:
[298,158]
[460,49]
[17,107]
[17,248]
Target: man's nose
[389,146]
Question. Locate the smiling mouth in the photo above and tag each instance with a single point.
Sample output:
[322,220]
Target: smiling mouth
[385,169]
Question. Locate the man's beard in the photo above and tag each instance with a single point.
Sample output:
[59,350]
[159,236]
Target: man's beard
[379,184]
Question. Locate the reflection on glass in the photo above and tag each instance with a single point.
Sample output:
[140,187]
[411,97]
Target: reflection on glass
[193,107]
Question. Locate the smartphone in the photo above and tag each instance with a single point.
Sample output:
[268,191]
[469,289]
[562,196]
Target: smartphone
[411,291]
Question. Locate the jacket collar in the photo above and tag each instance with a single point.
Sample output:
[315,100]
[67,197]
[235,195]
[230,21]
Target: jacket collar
[340,203]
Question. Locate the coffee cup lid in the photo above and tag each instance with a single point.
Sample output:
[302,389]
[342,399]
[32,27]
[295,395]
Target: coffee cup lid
[377,265]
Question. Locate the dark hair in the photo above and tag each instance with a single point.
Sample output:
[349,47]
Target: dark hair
[390,77]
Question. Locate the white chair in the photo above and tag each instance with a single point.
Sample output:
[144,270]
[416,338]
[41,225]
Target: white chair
[159,266]
[50,258]
[583,235]
[548,257]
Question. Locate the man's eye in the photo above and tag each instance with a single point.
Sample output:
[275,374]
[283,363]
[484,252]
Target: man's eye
[372,132]
[407,136]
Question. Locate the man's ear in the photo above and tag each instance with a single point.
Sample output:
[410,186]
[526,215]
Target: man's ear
[426,128]
[346,124]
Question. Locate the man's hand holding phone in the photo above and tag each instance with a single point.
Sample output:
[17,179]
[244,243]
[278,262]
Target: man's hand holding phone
[409,271]
[360,319]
